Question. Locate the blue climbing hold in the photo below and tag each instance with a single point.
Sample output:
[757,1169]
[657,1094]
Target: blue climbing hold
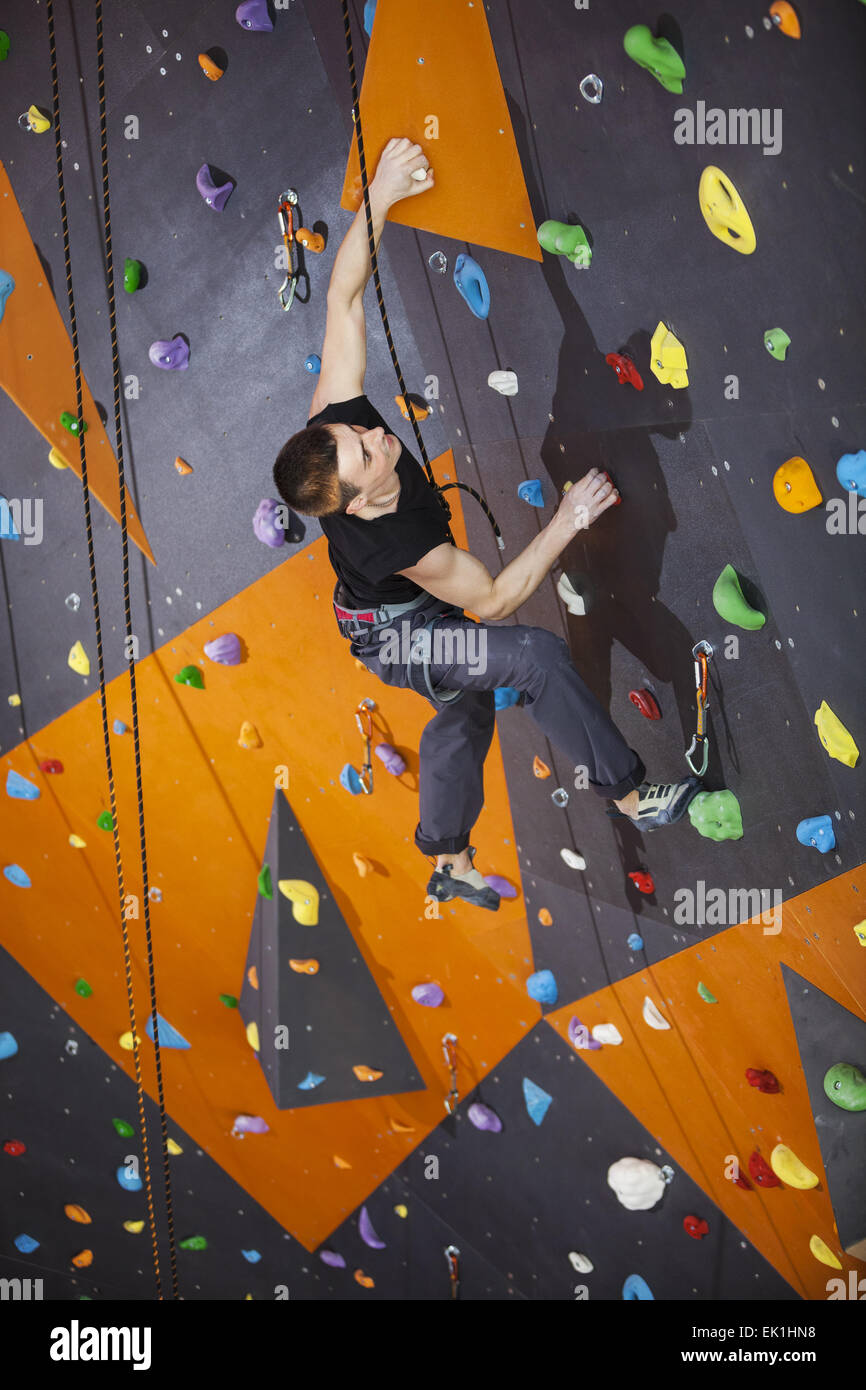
[635,942]
[128,1180]
[636,1287]
[16,785]
[313,363]
[8,530]
[369,16]
[252,1256]
[350,780]
[119,727]
[542,986]
[530,491]
[472,284]
[818,832]
[16,874]
[310,1081]
[506,695]
[8,1046]
[26,1244]
[7,285]
[168,1036]
[537,1101]
[851,472]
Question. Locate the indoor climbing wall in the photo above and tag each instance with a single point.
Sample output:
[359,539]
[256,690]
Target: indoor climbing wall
[643,1077]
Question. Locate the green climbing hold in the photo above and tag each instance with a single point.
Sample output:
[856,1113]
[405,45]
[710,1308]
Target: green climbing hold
[564,240]
[730,603]
[716,816]
[83,988]
[777,342]
[845,1085]
[190,675]
[656,55]
[131,275]
[70,423]
[706,994]
[266,887]
[229,1000]
[124,1129]
[105,822]
[193,1243]
[4,45]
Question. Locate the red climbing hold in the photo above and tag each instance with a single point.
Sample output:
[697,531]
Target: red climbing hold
[14,1147]
[626,371]
[743,1182]
[643,882]
[762,1172]
[695,1227]
[51,765]
[618,502]
[764,1080]
[645,702]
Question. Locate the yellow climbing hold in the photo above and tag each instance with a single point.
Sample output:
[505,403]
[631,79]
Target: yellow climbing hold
[402,1211]
[860,931]
[126,1042]
[367,1073]
[668,358]
[249,737]
[77,1213]
[340,1162]
[304,899]
[56,459]
[794,486]
[835,737]
[174,1147]
[305,967]
[787,1166]
[822,1252]
[253,1036]
[36,121]
[253,977]
[725,212]
[362,864]
[79,660]
[14,701]
[77,842]
[135,1228]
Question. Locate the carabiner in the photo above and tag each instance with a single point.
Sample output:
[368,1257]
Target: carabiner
[452,1255]
[702,652]
[285,216]
[449,1048]
[366,734]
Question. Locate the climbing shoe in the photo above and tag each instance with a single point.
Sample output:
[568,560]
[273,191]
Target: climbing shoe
[471,887]
[661,803]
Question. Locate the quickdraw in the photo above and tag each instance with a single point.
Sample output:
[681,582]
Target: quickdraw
[452,1255]
[287,202]
[449,1047]
[364,717]
[702,652]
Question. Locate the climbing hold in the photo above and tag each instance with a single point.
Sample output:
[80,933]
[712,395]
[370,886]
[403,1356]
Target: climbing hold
[105,821]
[190,675]
[341,1162]
[34,120]
[51,765]
[266,887]
[784,16]
[229,1000]
[542,986]
[4,45]
[253,14]
[253,974]
[656,55]
[367,1073]
[391,758]
[367,1233]
[794,486]
[530,492]
[265,525]
[131,274]
[16,875]
[716,815]
[724,211]
[559,797]
[579,1036]
[313,364]
[171,354]
[249,736]
[210,67]
[764,1081]
[7,285]
[577,592]
[787,1166]
[762,1172]
[420,411]
[18,786]
[845,1085]
[26,1244]
[225,650]
[643,882]
[124,1129]
[402,1210]
[56,459]
[430,995]
[472,284]
[668,358]
[504,382]
[706,994]
[564,240]
[8,1046]
[168,1036]
[311,241]
[304,967]
[128,1180]
[540,769]
[126,1042]
[645,701]
[835,737]
[252,1031]
[14,1148]
[500,886]
[822,1252]
[77,1213]
[591,88]
[730,603]
[608,1034]
[851,472]
[193,1243]
[741,1181]
[119,727]
[304,898]
[537,1101]
[252,1257]
[818,832]
[482,1117]
[505,696]
[652,1016]
[777,342]
[70,423]
[83,988]
[637,1182]
[350,780]
[134,1227]
[544,917]
[574,861]
[364,1279]
[634,942]
[310,1081]
[582,1263]
[362,864]
[696,1227]
[636,1286]
[626,371]
[330,1257]
[249,1124]
[438,262]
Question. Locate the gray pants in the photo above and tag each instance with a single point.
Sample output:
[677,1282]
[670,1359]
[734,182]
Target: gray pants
[478,658]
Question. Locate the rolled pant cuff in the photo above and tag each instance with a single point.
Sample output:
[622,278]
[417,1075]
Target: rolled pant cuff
[454,845]
[621,789]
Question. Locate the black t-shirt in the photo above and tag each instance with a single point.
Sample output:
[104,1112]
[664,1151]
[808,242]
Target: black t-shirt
[366,555]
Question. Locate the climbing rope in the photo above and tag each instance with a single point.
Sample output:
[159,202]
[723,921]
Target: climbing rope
[438,488]
[109,263]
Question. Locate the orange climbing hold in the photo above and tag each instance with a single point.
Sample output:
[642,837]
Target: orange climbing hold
[340,1162]
[794,486]
[540,769]
[544,917]
[367,1073]
[362,864]
[364,1280]
[253,977]
[181,465]
[249,736]
[311,241]
[83,1259]
[209,67]
[785,18]
[420,412]
[399,1127]
[76,1213]
[305,967]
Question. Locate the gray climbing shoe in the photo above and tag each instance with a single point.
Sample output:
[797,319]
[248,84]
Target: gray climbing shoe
[470,886]
[661,803]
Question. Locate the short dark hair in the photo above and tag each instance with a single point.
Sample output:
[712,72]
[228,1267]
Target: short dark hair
[306,474]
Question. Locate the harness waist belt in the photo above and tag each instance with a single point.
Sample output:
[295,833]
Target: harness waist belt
[353,622]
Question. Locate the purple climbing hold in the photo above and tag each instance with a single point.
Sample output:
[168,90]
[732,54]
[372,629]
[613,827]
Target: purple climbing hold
[216,195]
[171,354]
[500,886]
[330,1257]
[266,524]
[253,14]
[430,995]
[579,1036]
[366,1232]
[250,1124]
[226,650]
[391,758]
[482,1117]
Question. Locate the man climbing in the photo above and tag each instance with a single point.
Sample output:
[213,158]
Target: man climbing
[398,569]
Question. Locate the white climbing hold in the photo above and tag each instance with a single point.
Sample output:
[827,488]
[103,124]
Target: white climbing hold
[574,861]
[608,1034]
[652,1016]
[637,1182]
[573,601]
[503,382]
[582,1263]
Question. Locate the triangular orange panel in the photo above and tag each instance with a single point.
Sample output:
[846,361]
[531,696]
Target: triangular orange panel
[36,367]
[480,194]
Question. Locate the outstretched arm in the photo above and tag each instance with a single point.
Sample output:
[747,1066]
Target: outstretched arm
[344,353]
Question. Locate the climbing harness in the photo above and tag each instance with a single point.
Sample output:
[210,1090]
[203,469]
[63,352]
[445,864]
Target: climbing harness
[449,1047]
[452,1255]
[286,204]
[702,652]
[358,622]
[419,657]
[364,721]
